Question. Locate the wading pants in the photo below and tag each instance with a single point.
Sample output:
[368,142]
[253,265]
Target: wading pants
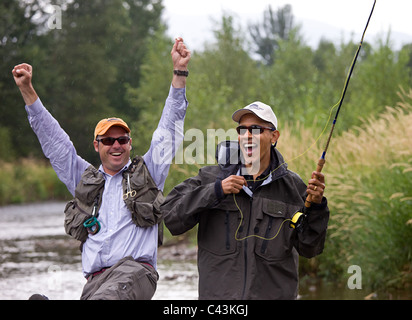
[126,280]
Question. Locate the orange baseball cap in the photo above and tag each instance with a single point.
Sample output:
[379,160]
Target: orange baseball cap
[106,124]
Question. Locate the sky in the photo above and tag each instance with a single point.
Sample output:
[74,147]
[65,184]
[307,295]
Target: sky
[334,20]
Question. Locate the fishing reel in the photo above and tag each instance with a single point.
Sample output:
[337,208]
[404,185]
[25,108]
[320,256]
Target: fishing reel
[92,225]
[298,221]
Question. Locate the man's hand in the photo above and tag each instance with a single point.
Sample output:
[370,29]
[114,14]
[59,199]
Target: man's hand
[233,184]
[316,187]
[180,57]
[22,74]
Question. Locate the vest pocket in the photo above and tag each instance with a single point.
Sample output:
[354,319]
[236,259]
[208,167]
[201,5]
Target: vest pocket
[267,233]
[145,202]
[146,214]
[74,217]
[217,229]
[274,240]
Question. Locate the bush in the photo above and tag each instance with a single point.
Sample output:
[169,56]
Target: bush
[30,180]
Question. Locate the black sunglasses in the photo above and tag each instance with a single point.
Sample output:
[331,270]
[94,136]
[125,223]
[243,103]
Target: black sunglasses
[242,129]
[109,141]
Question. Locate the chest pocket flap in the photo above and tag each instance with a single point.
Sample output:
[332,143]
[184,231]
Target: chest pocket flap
[272,208]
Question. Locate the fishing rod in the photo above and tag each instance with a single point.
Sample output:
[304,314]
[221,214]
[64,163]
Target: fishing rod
[322,159]
[297,221]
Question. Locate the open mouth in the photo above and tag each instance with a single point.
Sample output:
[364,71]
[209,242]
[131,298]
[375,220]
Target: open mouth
[250,148]
[116,154]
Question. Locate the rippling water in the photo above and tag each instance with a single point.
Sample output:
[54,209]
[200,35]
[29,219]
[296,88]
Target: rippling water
[36,256]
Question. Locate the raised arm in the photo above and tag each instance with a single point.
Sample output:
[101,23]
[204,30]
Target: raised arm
[55,143]
[180,57]
[169,133]
[22,75]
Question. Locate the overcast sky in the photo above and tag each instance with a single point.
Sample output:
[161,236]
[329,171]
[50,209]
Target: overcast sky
[193,19]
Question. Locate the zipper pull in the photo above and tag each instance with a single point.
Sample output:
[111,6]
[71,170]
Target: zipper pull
[96,204]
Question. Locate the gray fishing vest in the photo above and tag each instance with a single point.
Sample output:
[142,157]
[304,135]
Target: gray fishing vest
[143,202]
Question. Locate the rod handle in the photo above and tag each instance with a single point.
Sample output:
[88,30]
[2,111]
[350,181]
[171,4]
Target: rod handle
[319,168]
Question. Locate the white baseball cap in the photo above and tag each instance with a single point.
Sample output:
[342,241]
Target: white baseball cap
[261,110]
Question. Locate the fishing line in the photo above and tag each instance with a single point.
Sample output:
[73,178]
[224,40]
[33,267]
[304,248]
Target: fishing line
[255,235]
[322,159]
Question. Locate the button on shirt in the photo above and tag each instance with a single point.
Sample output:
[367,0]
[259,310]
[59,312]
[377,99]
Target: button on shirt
[119,236]
[253,184]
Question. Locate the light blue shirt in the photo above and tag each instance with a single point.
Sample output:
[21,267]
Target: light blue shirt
[119,236]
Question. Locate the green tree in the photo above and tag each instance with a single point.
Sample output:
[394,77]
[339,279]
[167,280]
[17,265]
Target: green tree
[376,83]
[80,74]
[288,84]
[81,71]
[147,100]
[142,19]
[275,27]
[94,57]
[226,65]
[332,64]
[19,36]
[407,52]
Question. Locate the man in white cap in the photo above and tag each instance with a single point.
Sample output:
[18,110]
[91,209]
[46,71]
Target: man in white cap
[248,238]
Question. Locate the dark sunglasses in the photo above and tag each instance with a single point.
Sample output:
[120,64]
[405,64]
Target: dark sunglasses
[109,141]
[253,129]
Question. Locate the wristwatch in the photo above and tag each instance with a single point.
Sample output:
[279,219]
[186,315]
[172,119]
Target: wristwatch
[181,73]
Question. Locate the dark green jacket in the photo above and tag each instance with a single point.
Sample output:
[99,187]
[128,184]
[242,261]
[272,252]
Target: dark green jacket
[236,258]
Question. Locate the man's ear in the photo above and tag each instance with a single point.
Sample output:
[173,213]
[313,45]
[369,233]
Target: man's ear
[96,145]
[275,136]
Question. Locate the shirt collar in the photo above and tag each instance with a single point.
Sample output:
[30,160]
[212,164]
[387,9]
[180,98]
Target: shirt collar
[120,172]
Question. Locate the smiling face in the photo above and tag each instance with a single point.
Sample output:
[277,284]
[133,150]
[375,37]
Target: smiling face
[116,156]
[254,146]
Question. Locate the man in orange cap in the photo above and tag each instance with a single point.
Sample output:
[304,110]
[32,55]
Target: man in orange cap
[115,211]
[113,155]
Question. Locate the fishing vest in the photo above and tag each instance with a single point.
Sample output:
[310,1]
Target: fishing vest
[140,194]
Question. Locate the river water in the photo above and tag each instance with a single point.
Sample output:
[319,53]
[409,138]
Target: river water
[36,256]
